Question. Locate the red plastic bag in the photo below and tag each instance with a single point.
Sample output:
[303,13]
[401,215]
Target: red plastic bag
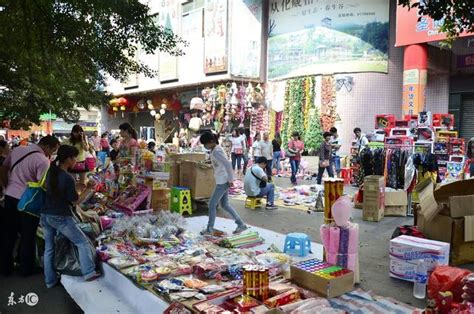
[447,278]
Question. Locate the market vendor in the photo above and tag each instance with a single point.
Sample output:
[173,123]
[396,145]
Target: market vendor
[56,216]
[115,149]
[256,183]
[78,139]
[224,176]
[129,144]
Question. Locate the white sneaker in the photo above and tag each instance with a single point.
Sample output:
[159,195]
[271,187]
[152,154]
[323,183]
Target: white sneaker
[240,229]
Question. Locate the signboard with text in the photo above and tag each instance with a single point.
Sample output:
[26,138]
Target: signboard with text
[327,36]
[413,29]
[215,36]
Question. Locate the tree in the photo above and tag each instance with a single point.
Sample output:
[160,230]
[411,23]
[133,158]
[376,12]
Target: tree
[56,54]
[314,134]
[458,15]
[376,34]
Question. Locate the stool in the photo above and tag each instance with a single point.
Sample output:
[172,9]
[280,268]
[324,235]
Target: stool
[346,174]
[297,244]
[181,200]
[253,202]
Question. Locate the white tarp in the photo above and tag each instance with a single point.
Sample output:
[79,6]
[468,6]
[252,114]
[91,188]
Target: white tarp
[114,293]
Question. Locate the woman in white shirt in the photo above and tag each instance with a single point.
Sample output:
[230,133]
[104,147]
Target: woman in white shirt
[237,151]
[256,149]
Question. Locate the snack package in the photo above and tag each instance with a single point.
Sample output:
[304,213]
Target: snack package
[282,299]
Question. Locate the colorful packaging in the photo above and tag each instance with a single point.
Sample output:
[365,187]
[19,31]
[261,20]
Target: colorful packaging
[411,248]
[282,299]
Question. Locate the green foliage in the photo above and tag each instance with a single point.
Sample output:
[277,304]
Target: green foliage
[376,34]
[56,54]
[314,134]
[458,14]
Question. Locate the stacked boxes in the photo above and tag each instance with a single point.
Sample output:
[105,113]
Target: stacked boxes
[374,198]
[405,251]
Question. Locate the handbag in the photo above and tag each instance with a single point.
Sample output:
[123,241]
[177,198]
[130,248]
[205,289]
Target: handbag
[32,199]
[262,184]
[80,167]
[324,163]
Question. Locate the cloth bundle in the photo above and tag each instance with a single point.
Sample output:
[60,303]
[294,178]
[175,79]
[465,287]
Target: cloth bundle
[341,245]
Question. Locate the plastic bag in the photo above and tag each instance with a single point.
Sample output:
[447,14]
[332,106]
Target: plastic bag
[410,171]
[447,278]
[66,256]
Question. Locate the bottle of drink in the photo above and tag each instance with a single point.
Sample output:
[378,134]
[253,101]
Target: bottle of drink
[419,288]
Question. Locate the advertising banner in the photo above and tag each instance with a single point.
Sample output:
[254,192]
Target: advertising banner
[192,32]
[246,39]
[413,29]
[327,36]
[215,36]
[168,18]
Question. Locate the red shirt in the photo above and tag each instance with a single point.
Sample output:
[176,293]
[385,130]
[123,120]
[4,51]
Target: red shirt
[104,143]
[298,146]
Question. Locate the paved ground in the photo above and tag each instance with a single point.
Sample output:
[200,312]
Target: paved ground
[373,255]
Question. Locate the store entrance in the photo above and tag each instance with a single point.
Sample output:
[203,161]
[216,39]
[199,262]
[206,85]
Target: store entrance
[467,116]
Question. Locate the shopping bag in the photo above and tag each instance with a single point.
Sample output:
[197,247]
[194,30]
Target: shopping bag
[32,199]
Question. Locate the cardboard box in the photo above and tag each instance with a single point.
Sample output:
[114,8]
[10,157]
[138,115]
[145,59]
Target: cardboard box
[328,288]
[401,269]
[398,211]
[199,177]
[160,199]
[396,198]
[174,175]
[374,198]
[461,206]
[176,158]
[411,248]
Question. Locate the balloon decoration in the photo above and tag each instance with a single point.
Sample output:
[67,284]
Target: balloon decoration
[341,210]
[141,104]
[149,103]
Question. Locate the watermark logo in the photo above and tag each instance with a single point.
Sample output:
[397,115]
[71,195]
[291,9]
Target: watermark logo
[31,299]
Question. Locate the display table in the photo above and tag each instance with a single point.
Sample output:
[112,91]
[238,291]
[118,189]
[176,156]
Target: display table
[115,293]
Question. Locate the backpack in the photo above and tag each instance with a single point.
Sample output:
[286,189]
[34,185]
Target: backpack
[408,231]
[32,199]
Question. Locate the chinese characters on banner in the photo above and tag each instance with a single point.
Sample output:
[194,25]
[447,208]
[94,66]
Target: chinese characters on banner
[465,61]
[410,30]
[168,64]
[215,36]
[414,84]
[310,37]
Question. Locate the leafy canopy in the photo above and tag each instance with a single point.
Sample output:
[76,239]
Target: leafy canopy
[55,54]
[458,14]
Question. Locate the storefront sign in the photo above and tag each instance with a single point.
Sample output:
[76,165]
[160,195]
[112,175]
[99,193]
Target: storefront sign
[411,29]
[327,36]
[48,116]
[246,39]
[414,84]
[192,32]
[62,126]
[168,16]
[215,36]
[465,61]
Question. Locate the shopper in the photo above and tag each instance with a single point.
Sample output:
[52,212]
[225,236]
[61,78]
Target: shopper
[256,149]
[151,147]
[95,141]
[245,156]
[56,216]
[25,164]
[324,157]
[115,149]
[237,151]
[78,139]
[295,149]
[128,145]
[276,153]
[4,151]
[104,143]
[256,183]
[361,140]
[266,148]
[224,180]
[470,155]
[335,147]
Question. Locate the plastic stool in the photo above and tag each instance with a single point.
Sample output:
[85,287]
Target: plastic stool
[181,200]
[346,174]
[297,244]
[253,202]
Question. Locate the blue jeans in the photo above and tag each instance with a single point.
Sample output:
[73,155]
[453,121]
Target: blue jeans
[236,159]
[471,169]
[68,228]
[336,161]
[295,166]
[220,195]
[321,172]
[276,161]
[269,193]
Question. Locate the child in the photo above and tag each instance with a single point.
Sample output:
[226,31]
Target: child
[224,180]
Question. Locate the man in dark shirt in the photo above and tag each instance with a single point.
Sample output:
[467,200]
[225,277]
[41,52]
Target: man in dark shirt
[115,149]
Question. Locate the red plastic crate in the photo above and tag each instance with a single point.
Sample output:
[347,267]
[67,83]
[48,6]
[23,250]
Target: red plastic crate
[443,119]
[384,121]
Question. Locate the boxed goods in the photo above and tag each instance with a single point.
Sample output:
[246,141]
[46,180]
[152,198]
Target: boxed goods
[411,248]
[327,280]
[199,177]
[374,198]
[160,199]
[396,202]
